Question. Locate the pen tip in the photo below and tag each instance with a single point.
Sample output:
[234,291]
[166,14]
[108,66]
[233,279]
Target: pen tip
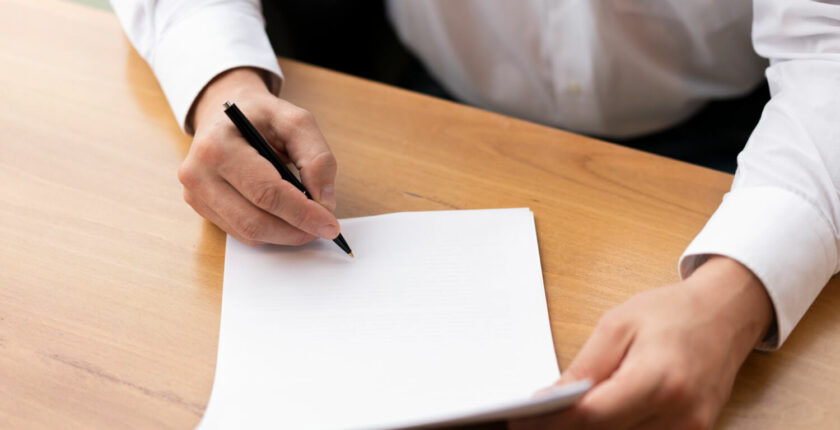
[228,105]
[351,255]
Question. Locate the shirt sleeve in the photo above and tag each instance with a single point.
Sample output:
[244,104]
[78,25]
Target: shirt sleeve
[189,42]
[782,217]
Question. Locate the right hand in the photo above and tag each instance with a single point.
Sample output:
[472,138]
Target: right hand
[226,181]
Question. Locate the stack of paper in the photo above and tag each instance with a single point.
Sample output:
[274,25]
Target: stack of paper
[440,318]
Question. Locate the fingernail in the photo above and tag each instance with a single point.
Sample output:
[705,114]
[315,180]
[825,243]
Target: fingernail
[545,390]
[328,196]
[328,231]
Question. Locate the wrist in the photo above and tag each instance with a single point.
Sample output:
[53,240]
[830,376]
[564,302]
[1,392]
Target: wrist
[736,298]
[225,86]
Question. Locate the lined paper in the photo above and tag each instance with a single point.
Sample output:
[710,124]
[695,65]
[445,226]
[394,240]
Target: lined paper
[440,318]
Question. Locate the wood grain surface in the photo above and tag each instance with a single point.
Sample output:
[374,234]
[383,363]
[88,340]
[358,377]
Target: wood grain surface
[110,285]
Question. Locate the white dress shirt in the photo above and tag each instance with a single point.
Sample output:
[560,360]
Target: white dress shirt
[612,68]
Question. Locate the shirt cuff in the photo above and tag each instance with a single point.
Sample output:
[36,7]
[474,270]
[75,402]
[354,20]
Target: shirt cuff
[782,238]
[202,45]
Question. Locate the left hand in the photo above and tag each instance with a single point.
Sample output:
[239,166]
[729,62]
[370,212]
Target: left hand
[667,358]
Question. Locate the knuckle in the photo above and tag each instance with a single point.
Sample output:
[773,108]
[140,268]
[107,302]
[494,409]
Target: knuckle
[188,176]
[249,229]
[209,151]
[267,196]
[612,322]
[676,388]
[300,117]
[325,161]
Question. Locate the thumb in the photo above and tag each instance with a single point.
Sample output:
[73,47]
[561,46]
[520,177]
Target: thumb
[307,148]
[602,353]
[318,176]
[317,166]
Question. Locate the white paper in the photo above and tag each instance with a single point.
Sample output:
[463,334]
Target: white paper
[440,318]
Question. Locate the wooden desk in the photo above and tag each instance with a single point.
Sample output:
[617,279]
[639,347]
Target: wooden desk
[110,285]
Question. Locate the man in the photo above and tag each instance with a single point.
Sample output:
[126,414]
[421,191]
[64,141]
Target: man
[667,358]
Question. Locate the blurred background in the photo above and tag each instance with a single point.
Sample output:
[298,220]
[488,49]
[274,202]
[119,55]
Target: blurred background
[712,138]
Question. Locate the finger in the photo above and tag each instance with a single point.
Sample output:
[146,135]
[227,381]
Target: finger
[318,175]
[600,356]
[258,181]
[303,141]
[625,398]
[602,352]
[210,215]
[247,222]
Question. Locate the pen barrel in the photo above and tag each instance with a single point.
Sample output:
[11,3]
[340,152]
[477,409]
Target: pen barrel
[339,240]
[255,139]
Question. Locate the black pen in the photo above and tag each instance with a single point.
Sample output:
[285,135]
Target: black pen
[255,139]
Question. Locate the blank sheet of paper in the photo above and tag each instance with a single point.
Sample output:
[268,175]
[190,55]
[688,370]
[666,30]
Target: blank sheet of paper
[441,315]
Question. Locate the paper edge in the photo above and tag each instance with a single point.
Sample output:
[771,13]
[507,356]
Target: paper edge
[560,397]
